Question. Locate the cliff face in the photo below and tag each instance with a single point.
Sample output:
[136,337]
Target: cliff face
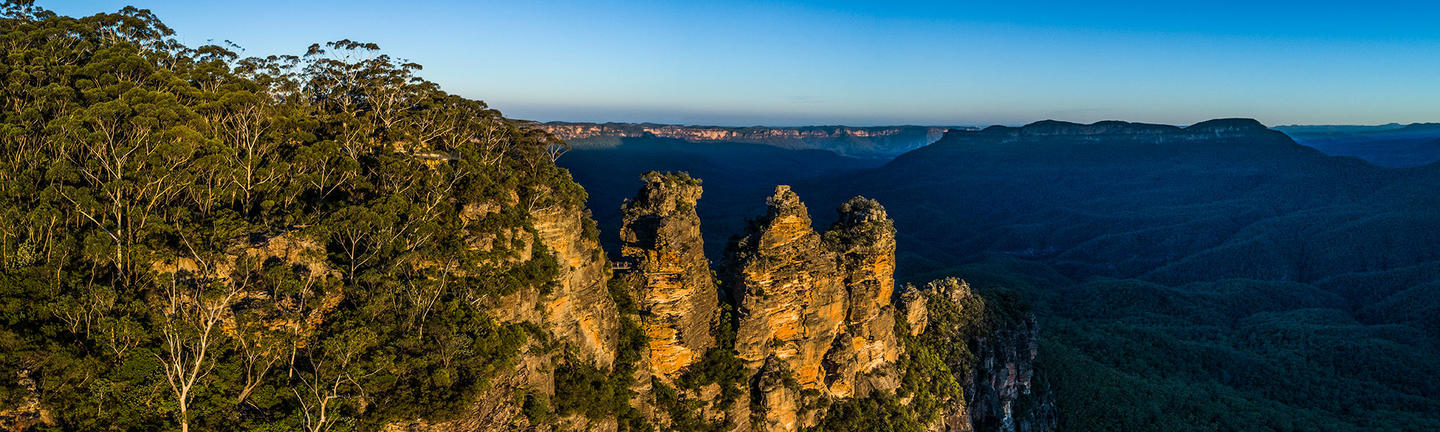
[792,296]
[861,142]
[791,304]
[941,313]
[579,310]
[815,326]
[1004,393]
[497,409]
[669,276]
[28,413]
[1001,390]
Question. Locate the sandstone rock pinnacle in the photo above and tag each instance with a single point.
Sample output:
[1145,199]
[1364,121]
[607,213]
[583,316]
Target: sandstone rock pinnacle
[670,278]
[814,309]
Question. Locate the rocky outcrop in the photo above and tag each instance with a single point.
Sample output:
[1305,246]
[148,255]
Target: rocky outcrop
[498,408]
[669,276]
[955,307]
[1004,394]
[1001,390]
[28,413]
[815,313]
[791,292]
[816,322]
[912,307]
[576,311]
[864,239]
[791,298]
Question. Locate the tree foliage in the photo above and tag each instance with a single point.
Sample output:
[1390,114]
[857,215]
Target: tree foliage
[193,238]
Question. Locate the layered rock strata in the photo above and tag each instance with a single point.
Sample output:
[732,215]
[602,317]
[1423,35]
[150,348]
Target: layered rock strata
[1004,393]
[579,310]
[816,321]
[669,277]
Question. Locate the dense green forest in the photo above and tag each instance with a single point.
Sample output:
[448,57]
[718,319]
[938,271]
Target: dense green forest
[197,240]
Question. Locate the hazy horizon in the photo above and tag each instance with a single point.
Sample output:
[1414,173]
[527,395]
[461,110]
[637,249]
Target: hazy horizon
[741,63]
[967,125]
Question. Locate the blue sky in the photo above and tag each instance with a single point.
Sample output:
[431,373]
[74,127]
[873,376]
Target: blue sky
[875,62]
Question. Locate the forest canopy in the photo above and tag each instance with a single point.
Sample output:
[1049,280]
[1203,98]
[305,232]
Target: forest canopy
[194,238]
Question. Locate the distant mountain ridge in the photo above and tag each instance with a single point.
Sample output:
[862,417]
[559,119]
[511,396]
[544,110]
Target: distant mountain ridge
[876,142]
[1388,127]
[1109,127]
[1393,145]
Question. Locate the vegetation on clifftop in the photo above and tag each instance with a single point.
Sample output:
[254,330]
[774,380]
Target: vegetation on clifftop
[192,238]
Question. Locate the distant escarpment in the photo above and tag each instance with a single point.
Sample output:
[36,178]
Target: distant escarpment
[860,142]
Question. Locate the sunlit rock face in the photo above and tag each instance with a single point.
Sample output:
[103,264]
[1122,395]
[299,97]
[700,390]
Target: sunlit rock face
[792,302]
[913,309]
[814,310]
[864,239]
[576,311]
[776,397]
[669,277]
[579,309]
[815,323]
